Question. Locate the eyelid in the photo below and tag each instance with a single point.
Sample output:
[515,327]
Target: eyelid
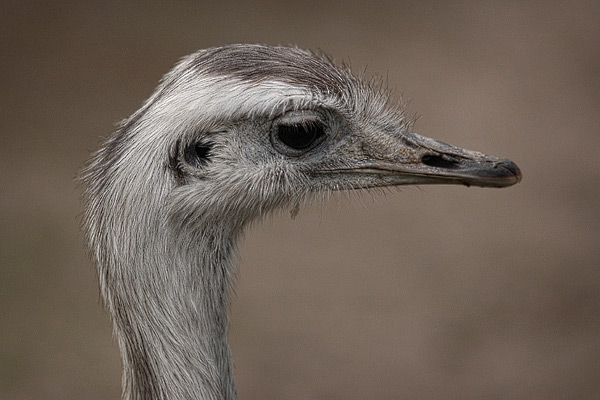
[297,116]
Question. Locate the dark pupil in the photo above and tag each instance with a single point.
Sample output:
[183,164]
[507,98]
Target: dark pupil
[299,136]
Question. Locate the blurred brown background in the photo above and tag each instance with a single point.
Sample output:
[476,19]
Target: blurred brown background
[433,292]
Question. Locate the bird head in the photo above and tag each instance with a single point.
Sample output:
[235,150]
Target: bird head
[239,130]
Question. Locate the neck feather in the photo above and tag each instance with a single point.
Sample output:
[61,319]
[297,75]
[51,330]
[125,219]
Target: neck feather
[169,308]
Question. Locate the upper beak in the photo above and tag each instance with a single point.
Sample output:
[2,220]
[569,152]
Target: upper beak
[413,159]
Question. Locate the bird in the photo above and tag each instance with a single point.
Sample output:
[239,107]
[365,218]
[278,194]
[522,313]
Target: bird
[230,134]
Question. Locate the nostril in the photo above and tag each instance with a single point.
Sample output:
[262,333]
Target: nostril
[438,162]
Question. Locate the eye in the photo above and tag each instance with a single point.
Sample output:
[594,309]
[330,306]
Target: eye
[295,136]
[300,136]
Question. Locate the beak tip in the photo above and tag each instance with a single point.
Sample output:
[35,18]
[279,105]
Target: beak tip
[499,173]
[511,170]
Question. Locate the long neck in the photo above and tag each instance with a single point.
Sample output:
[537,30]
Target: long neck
[164,258]
[170,315]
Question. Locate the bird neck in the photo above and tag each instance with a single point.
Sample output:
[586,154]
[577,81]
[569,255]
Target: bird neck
[171,322]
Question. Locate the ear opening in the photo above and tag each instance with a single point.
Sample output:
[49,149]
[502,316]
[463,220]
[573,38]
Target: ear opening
[198,154]
[189,160]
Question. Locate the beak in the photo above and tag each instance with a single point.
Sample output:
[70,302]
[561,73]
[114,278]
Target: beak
[411,159]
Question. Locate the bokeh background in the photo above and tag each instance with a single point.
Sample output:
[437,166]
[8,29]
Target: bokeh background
[427,293]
